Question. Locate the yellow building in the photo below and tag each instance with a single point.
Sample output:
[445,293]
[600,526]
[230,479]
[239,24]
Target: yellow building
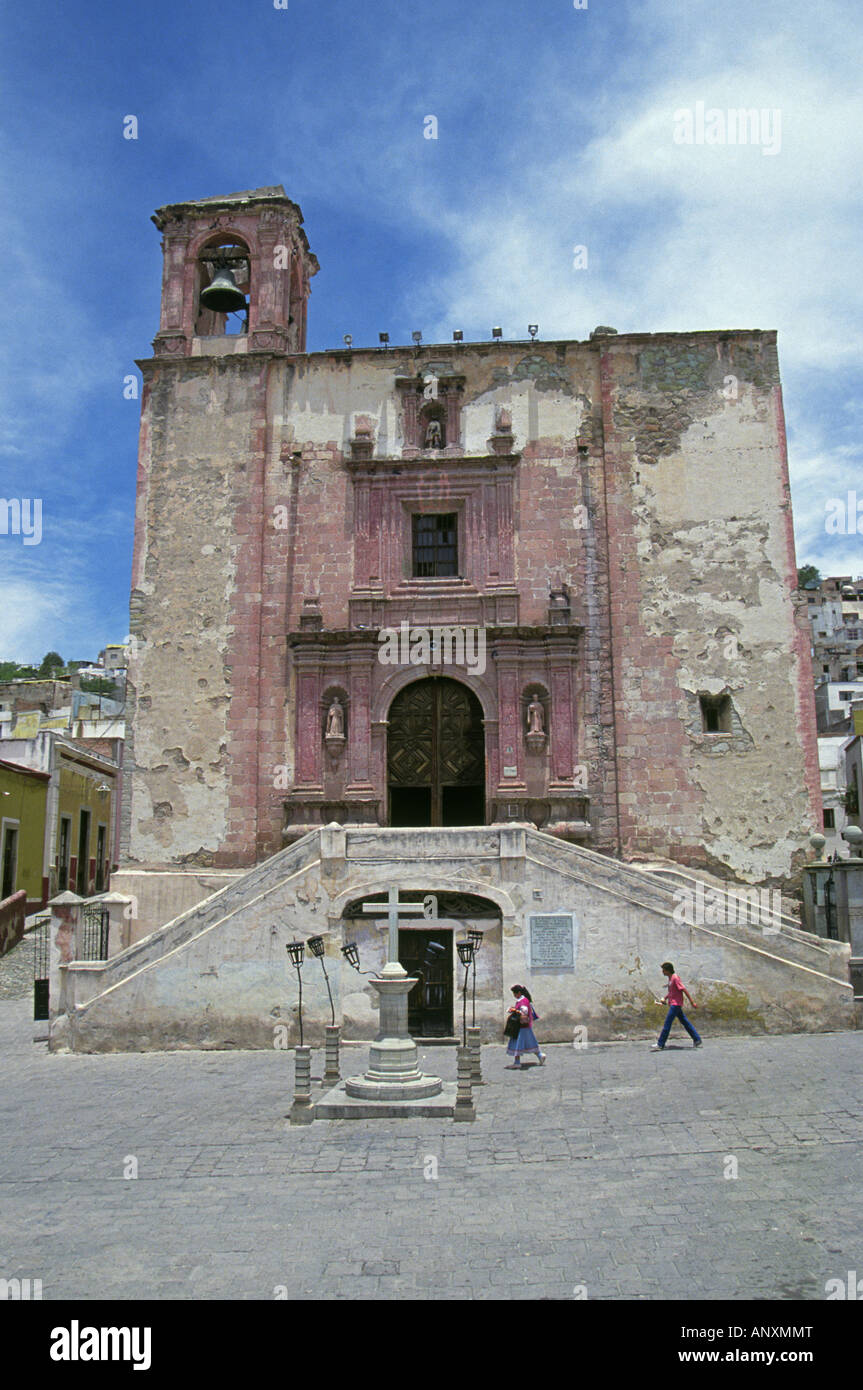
[23,806]
[73,824]
[84,815]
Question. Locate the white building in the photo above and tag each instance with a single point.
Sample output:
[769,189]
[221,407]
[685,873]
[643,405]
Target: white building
[833,700]
[831,761]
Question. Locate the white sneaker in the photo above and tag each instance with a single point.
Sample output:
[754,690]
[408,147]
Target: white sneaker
[657,1048]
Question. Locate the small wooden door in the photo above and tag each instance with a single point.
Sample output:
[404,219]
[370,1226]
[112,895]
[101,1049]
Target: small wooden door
[430,1002]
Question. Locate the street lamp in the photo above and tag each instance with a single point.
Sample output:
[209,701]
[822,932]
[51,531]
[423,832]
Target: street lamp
[466,954]
[475,937]
[316,946]
[296,950]
[352,955]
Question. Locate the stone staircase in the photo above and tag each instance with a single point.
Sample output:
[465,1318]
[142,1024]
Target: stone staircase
[217,975]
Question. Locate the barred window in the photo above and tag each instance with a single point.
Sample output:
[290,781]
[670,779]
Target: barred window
[435,546]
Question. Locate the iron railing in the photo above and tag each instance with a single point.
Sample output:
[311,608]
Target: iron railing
[41,967]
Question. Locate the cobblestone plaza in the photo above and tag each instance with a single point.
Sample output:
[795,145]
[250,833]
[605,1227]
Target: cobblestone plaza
[607,1174]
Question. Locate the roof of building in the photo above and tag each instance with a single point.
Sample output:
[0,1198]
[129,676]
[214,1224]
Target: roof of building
[25,771]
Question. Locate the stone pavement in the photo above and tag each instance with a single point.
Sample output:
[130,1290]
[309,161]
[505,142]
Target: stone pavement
[601,1174]
[16,970]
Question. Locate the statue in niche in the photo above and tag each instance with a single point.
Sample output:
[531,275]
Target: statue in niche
[535,717]
[434,438]
[335,720]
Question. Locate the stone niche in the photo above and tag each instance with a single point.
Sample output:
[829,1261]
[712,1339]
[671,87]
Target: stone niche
[431,413]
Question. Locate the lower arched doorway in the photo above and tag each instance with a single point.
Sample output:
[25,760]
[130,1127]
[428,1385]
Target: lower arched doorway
[436,755]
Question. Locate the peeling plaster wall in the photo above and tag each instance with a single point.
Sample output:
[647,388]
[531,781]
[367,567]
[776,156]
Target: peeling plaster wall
[688,546]
[196,474]
[698,513]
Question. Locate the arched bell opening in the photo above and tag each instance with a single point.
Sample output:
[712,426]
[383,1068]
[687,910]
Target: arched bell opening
[436,755]
[223,284]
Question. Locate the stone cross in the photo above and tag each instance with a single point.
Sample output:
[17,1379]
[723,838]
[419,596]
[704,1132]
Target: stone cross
[395,910]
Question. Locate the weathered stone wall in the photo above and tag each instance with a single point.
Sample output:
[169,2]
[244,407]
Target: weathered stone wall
[196,602]
[661,502]
[699,520]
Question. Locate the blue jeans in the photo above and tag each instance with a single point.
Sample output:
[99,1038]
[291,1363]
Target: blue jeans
[675,1011]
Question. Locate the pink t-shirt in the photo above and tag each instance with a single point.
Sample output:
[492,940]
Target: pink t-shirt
[675,990]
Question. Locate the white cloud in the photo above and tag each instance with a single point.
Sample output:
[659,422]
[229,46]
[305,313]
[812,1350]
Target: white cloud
[693,237]
[29,617]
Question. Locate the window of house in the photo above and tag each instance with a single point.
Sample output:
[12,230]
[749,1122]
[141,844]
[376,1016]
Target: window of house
[829,819]
[846,694]
[715,714]
[435,546]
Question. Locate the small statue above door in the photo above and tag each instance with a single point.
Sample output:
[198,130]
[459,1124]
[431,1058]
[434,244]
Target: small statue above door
[434,435]
[535,717]
[335,720]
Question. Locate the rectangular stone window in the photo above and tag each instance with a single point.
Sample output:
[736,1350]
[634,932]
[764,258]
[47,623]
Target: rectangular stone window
[829,818]
[435,545]
[715,714]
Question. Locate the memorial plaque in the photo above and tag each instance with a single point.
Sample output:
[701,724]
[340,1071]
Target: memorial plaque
[552,941]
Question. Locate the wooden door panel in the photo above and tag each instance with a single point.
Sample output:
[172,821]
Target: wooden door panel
[436,740]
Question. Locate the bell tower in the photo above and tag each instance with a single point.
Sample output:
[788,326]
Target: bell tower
[209,581]
[237,267]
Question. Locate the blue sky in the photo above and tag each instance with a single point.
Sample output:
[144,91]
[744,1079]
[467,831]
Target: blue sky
[555,129]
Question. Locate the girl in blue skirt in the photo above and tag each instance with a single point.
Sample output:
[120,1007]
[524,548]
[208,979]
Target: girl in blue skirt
[526,1040]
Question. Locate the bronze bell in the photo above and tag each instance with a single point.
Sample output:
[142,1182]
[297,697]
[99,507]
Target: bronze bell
[222,294]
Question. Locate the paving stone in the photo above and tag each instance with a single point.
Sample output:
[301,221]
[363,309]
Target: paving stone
[619,1188]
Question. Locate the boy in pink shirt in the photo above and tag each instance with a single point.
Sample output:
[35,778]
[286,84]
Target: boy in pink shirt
[674,1000]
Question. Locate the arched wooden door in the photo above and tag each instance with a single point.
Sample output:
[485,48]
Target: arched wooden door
[436,755]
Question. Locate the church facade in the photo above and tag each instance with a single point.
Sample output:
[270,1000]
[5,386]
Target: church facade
[457,584]
[508,628]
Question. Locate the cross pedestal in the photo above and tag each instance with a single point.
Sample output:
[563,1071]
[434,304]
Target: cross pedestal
[393,1073]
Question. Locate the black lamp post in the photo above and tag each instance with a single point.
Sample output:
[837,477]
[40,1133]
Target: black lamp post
[296,950]
[475,937]
[316,946]
[466,954]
